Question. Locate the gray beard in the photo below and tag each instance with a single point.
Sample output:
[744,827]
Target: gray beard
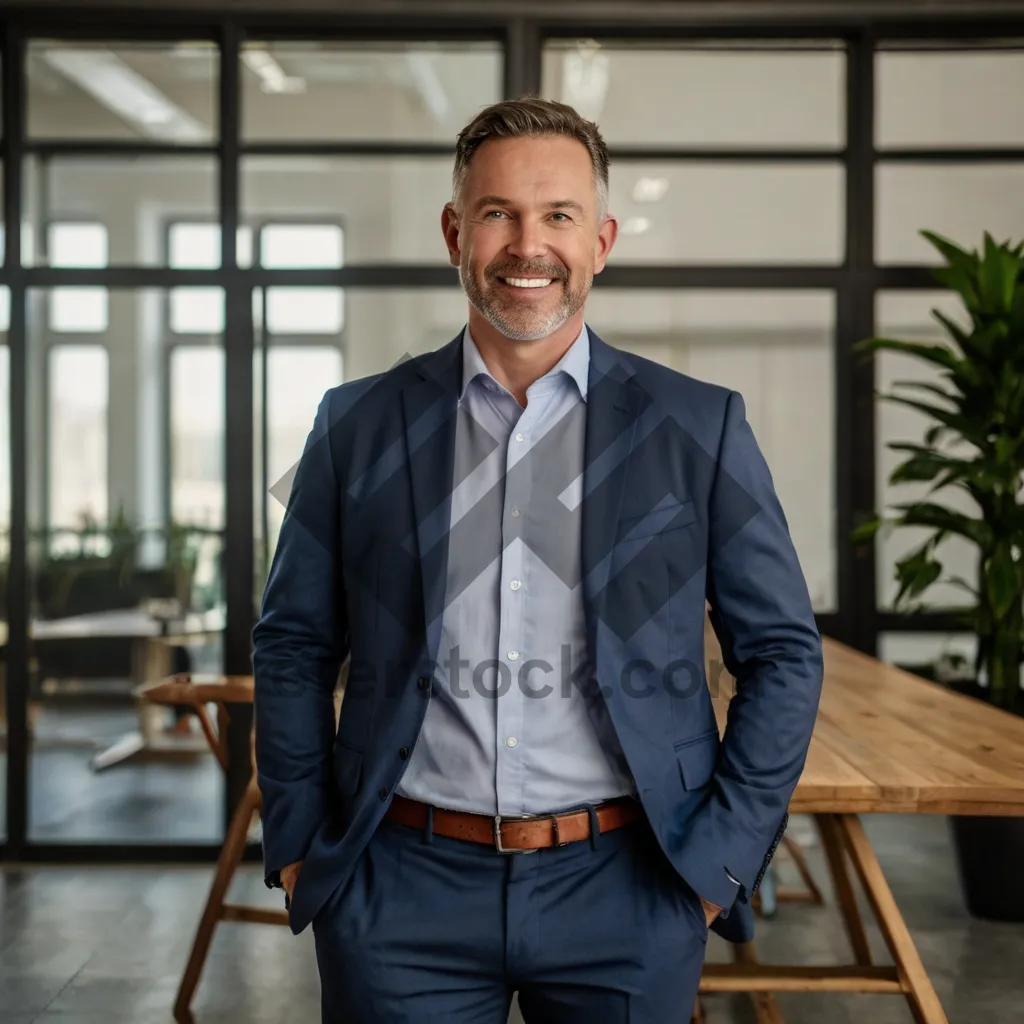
[512,324]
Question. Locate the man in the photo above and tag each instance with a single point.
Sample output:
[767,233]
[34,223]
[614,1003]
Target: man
[513,541]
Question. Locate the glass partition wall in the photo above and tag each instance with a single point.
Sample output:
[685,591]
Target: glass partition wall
[208,225]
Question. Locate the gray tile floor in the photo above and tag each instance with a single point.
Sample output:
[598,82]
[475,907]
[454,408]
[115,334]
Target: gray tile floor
[107,945]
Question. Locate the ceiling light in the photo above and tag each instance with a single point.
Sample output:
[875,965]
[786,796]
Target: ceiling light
[635,225]
[273,78]
[649,190]
[121,89]
[585,75]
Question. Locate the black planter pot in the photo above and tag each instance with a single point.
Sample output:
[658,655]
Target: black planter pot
[990,853]
[990,856]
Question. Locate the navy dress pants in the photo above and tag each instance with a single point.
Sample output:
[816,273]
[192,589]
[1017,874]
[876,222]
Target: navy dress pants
[432,930]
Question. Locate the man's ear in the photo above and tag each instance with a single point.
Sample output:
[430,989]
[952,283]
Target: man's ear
[450,230]
[607,233]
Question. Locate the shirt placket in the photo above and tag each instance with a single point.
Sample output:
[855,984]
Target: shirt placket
[513,644]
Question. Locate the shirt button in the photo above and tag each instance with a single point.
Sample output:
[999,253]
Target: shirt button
[515,584]
[512,655]
[383,792]
[403,752]
[423,682]
[511,741]
[520,437]
[516,512]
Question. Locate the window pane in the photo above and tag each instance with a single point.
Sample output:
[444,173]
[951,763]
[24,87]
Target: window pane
[5,310]
[735,94]
[107,548]
[197,246]
[958,201]
[78,405]
[907,315]
[197,310]
[365,90]
[134,197]
[301,245]
[78,245]
[305,310]
[148,93]
[949,98]
[389,209]
[80,310]
[687,212]
[776,349]
[297,378]
[197,434]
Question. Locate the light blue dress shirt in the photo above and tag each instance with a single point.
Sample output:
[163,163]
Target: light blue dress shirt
[509,729]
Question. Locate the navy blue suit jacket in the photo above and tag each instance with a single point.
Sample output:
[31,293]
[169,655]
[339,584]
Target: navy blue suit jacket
[678,510]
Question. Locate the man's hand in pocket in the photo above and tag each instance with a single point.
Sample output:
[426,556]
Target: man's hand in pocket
[289,876]
[710,910]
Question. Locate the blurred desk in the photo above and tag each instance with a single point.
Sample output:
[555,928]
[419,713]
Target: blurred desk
[888,742]
[151,638]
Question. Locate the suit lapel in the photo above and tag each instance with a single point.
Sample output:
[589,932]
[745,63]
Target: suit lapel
[614,403]
[429,408]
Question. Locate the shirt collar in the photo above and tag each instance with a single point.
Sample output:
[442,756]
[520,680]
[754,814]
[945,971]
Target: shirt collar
[575,362]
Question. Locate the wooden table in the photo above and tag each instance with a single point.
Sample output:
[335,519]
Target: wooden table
[884,742]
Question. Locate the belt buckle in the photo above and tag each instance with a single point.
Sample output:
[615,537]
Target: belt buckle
[499,819]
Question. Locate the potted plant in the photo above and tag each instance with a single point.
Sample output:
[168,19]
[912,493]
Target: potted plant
[975,444]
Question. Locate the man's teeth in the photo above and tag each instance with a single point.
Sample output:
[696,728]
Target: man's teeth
[528,282]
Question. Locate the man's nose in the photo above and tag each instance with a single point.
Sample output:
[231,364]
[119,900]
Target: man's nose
[527,241]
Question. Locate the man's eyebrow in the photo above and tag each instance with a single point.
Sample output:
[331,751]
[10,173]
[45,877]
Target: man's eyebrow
[555,204]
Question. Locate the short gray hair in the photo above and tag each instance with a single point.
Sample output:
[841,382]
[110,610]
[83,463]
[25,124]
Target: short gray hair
[531,117]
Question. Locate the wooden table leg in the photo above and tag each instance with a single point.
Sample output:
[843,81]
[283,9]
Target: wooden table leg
[834,845]
[921,995]
[766,1006]
[230,857]
[810,893]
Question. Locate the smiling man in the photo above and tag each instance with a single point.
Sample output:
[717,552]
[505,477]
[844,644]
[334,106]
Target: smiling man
[514,540]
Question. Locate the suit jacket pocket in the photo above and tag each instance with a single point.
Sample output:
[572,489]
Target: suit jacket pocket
[348,768]
[671,516]
[697,757]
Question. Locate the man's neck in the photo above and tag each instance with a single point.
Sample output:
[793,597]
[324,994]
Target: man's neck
[517,364]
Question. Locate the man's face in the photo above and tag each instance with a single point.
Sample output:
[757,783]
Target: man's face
[526,236]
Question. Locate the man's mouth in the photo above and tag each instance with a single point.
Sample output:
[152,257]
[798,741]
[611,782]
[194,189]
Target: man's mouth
[527,282]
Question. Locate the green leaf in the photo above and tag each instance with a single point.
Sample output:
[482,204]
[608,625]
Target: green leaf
[953,254]
[932,389]
[943,355]
[1002,582]
[865,532]
[917,469]
[961,283]
[927,513]
[955,420]
[916,572]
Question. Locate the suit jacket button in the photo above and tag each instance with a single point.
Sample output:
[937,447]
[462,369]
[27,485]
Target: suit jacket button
[403,753]
[383,792]
[423,682]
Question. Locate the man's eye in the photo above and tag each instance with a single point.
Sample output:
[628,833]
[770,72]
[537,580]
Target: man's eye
[491,213]
[563,216]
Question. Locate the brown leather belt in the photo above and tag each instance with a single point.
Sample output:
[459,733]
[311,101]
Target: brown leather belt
[514,834]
